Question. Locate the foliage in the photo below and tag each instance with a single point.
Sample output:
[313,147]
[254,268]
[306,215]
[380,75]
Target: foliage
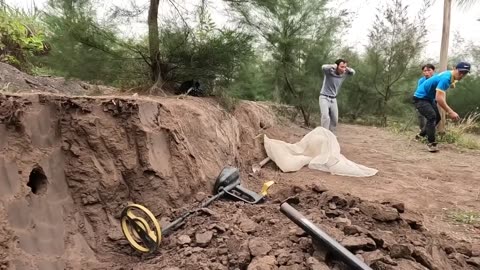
[215,59]
[465,98]
[21,37]
[299,36]
[357,100]
[90,51]
[388,71]
[395,42]
[464,217]
[458,133]
[82,49]
[254,80]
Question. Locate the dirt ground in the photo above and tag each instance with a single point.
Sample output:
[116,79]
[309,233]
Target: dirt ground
[420,237]
[440,185]
[69,165]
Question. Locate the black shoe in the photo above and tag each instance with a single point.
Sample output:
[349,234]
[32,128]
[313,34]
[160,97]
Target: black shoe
[432,147]
[419,138]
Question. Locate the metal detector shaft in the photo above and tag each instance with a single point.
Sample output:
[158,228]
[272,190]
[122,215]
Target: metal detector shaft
[179,221]
[323,238]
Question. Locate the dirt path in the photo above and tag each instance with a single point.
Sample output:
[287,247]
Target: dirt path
[437,185]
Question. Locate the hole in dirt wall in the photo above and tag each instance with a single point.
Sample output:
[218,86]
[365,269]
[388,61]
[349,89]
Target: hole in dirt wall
[37,181]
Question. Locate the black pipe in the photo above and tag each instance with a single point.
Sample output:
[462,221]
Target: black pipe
[323,238]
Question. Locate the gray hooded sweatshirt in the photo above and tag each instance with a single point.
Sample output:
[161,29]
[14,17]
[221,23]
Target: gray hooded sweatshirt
[333,81]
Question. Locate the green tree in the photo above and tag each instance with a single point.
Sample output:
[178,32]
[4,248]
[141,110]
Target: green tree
[395,42]
[254,81]
[465,96]
[358,99]
[21,37]
[91,51]
[83,48]
[298,35]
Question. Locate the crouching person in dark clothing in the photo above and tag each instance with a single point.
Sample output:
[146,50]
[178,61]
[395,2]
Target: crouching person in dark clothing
[433,91]
[190,88]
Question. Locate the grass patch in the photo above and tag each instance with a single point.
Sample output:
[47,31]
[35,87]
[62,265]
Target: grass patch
[464,217]
[462,140]
[227,101]
[460,133]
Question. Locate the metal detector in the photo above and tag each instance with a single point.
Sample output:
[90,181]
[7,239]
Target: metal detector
[145,234]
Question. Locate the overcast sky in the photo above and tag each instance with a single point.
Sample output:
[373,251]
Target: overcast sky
[463,21]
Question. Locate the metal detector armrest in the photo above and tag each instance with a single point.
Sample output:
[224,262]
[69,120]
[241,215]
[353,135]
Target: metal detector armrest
[244,194]
[228,181]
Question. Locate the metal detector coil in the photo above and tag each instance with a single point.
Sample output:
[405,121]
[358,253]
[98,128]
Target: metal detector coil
[143,234]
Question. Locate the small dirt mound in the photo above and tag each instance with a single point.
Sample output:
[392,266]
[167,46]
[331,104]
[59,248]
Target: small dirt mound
[14,80]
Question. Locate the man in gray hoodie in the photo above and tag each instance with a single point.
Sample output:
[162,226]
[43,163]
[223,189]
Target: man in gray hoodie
[335,74]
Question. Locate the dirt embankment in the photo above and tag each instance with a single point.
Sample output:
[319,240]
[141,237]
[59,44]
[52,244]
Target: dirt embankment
[69,165]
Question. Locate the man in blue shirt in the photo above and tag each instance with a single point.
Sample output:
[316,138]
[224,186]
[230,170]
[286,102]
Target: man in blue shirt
[428,70]
[433,91]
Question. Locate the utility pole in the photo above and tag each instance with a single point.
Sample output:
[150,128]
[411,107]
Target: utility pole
[447,7]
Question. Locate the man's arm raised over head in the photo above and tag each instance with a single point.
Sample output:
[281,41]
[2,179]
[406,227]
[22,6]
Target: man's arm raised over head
[350,71]
[328,67]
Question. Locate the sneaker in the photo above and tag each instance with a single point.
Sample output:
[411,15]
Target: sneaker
[432,147]
[419,138]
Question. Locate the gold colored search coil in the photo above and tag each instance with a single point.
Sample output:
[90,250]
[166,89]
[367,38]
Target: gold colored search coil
[143,231]
[143,234]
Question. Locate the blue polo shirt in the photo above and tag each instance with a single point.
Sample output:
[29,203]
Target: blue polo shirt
[427,89]
[422,79]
